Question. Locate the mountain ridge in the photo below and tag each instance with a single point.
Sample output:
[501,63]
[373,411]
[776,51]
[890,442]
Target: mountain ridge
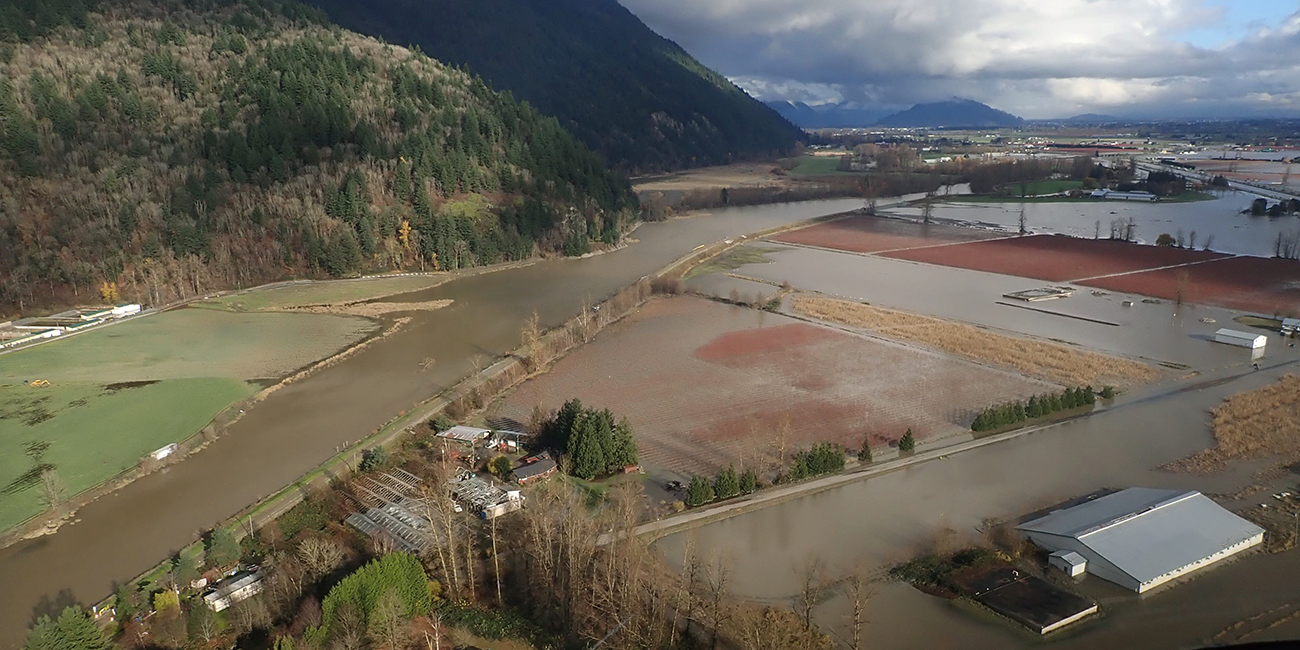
[952,113]
[634,96]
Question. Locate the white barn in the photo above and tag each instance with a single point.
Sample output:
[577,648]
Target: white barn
[1141,538]
[1240,339]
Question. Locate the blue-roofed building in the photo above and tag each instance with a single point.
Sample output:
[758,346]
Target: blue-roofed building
[1141,538]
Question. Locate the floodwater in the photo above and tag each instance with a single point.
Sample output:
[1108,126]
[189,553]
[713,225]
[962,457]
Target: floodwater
[301,425]
[1161,332]
[1233,231]
[890,518]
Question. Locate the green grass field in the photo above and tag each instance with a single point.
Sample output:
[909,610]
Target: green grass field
[193,364]
[94,432]
[734,259]
[324,293]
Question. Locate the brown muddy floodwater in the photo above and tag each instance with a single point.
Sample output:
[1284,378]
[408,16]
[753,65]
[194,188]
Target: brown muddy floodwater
[300,426]
[892,517]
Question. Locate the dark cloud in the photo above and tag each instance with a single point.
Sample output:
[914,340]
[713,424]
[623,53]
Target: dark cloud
[1039,59]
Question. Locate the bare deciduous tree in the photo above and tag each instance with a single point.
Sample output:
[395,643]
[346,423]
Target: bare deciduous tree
[53,490]
[388,624]
[320,556]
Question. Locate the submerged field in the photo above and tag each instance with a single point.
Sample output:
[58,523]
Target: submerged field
[119,392]
[706,384]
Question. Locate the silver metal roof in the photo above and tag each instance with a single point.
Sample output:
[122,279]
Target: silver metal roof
[1148,533]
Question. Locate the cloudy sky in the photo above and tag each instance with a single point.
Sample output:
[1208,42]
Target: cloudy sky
[1035,58]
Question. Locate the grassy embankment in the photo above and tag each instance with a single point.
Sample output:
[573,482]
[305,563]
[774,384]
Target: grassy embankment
[1254,424]
[1057,363]
[733,259]
[181,369]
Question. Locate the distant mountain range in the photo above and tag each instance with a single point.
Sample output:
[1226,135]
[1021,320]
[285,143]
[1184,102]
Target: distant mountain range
[953,113]
[829,116]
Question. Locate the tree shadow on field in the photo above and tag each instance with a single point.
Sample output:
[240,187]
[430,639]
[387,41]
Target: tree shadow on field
[52,607]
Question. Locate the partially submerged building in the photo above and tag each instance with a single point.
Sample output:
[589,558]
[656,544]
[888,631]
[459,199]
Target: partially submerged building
[1141,538]
[1240,339]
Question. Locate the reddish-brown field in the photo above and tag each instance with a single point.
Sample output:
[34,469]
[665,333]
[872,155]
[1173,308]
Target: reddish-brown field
[865,234]
[706,384]
[1262,285]
[1055,258]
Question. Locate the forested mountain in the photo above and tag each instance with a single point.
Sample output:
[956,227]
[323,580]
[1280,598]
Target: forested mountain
[954,113]
[624,90]
[176,147]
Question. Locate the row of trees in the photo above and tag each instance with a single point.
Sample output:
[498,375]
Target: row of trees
[725,485]
[592,441]
[1011,413]
[985,178]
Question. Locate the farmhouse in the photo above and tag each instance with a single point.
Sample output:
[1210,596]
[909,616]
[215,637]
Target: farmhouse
[231,591]
[1240,339]
[535,468]
[1141,538]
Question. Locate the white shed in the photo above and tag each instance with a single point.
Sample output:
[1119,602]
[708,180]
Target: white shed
[1069,562]
[1290,326]
[1240,339]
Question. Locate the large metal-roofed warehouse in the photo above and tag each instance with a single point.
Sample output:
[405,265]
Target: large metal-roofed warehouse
[1141,538]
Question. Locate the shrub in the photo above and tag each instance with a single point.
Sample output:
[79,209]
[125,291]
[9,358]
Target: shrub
[1108,392]
[372,459]
[864,454]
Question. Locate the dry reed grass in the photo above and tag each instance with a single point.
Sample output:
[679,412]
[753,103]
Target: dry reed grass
[1057,363]
[371,309]
[1260,422]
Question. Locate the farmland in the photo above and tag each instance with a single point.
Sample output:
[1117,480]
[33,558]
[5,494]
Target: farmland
[1261,285]
[1257,423]
[119,392]
[94,431]
[1054,258]
[866,234]
[1065,365]
[705,385]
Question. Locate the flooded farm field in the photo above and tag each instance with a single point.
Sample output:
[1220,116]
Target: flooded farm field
[891,517]
[1261,285]
[1159,332]
[867,234]
[706,384]
[1221,218]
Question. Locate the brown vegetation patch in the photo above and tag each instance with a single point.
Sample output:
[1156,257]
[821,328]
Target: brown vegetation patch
[1257,284]
[1256,423]
[1056,258]
[1050,361]
[747,347]
[372,309]
[867,234]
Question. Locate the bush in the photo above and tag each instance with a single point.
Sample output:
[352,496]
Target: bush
[372,459]
[1108,392]
[441,423]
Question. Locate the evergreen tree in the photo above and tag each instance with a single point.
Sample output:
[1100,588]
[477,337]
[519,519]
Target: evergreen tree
[748,481]
[699,491]
[72,630]
[1034,409]
[221,549]
[586,454]
[864,454]
[727,483]
[907,442]
[625,448]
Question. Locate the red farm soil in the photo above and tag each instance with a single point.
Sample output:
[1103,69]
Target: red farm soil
[1257,284]
[706,384]
[865,234]
[1055,258]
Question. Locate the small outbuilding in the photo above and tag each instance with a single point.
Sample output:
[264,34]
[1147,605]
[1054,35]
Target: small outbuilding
[467,435]
[1240,339]
[1070,563]
[1290,326]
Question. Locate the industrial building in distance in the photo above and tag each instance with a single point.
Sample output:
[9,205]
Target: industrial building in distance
[1141,538]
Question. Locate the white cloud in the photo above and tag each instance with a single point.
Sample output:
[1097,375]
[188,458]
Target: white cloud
[1039,58]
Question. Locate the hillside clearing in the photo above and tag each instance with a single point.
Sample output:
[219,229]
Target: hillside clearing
[1057,363]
